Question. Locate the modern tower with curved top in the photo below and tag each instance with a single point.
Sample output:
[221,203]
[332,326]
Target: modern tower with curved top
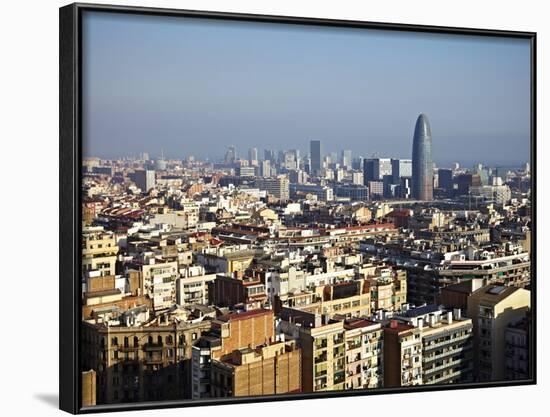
[422,166]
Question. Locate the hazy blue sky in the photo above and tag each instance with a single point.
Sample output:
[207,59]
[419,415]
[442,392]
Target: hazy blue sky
[195,86]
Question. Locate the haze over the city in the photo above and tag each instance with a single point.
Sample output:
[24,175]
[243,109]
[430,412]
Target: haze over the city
[193,87]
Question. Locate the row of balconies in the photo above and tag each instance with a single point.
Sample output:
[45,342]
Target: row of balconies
[428,348]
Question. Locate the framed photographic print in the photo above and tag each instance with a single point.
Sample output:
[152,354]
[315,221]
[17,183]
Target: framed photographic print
[257,208]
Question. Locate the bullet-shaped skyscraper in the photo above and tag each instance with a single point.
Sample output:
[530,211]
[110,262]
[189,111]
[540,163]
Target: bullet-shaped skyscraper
[422,165]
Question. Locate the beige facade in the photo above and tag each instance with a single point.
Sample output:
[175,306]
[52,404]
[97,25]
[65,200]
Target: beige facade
[99,250]
[266,370]
[140,363]
[364,354]
[88,388]
[492,308]
[160,283]
[402,355]
[447,355]
[323,357]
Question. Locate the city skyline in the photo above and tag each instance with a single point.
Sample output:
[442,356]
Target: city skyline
[474,89]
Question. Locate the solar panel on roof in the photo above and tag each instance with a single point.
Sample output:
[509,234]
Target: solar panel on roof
[421,311]
[496,290]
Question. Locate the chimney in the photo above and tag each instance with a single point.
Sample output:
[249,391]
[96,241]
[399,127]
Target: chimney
[449,317]
[420,323]
[431,320]
[393,324]
[457,314]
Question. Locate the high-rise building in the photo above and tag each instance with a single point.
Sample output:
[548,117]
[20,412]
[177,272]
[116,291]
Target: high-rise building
[231,155]
[400,168]
[346,159]
[253,156]
[316,155]
[297,176]
[368,171]
[144,179]
[160,163]
[269,155]
[445,178]
[376,168]
[277,187]
[265,168]
[422,165]
[357,177]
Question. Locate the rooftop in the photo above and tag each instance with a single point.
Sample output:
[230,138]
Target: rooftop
[244,315]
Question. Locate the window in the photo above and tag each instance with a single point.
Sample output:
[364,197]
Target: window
[126,342]
[114,341]
[136,341]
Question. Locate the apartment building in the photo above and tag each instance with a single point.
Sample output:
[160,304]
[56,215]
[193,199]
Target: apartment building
[322,342]
[229,333]
[160,283]
[447,341]
[265,370]
[388,290]
[227,291]
[192,286]
[142,363]
[517,338]
[99,251]
[402,355]
[364,354]
[492,309]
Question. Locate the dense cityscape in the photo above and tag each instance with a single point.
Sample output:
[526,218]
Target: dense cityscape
[286,272]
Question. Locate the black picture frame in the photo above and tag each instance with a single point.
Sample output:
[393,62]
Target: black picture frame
[70,157]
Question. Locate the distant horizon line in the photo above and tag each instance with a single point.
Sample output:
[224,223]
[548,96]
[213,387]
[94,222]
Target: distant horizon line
[462,163]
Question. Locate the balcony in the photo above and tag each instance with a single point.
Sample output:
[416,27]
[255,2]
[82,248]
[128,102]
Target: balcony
[443,366]
[338,340]
[153,346]
[454,351]
[427,348]
[321,358]
[128,348]
[153,361]
[339,378]
[321,344]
